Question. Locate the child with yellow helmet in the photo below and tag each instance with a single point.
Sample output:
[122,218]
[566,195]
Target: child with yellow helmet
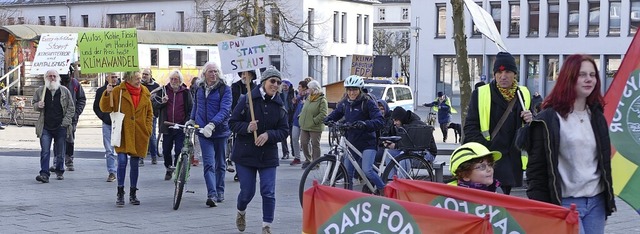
[472,166]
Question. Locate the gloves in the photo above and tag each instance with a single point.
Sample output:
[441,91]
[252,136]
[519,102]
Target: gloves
[191,122]
[359,124]
[208,130]
[327,122]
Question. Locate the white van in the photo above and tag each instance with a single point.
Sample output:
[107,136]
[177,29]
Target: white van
[394,94]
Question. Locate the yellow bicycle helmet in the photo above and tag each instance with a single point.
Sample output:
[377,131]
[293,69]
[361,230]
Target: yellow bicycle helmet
[470,151]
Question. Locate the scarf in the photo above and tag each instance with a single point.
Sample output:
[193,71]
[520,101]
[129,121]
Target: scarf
[469,184]
[135,94]
[508,93]
[314,97]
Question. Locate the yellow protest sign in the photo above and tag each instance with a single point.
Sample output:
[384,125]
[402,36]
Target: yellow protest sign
[108,51]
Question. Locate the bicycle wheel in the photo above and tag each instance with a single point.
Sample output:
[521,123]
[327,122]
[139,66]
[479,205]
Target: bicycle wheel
[19,119]
[181,179]
[409,166]
[321,170]
[332,137]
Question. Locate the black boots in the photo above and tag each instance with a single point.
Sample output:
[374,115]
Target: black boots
[132,196]
[120,200]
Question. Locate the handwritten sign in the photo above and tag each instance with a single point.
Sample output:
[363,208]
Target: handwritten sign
[244,54]
[362,65]
[55,51]
[108,51]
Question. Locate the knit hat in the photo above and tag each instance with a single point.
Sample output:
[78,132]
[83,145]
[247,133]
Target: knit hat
[504,61]
[271,71]
[440,94]
[398,113]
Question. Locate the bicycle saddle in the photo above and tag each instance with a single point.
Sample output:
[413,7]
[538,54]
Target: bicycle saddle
[391,138]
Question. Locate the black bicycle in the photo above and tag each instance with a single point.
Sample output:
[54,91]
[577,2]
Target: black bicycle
[183,165]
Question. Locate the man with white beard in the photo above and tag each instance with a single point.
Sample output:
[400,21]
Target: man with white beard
[56,107]
[174,106]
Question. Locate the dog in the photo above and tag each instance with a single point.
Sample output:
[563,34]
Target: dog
[457,128]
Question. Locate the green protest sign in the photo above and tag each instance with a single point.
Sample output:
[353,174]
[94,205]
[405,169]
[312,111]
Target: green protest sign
[108,51]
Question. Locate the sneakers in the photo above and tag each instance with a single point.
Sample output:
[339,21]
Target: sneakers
[169,174]
[285,156]
[154,160]
[194,161]
[69,163]
[295,161]
[305,165]
[111,177]
[266,230]
[52,169]
[211,203]
[43,178]
[220,197]
[1,127]
[59,176]
[241,223]
[141,164]
[230,166]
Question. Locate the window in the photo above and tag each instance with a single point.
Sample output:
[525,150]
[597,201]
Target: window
[181,20]
[634,15]
[594,18]
[514,18]
[143,21]
[206,20]
[219,16]
[11,21]
[275,61]
[336,25]
[612,64]
[534,18]
[553,66]
[85,21]
[441,20]
[275,22]
[389,94]
[402,93]
[175,57]
[554,19]
[52,20]
[154,57]
[381,14]
[366,29]
[476,33]
[41,20]
[63,20]
[310,17]
[533,72]
[614,18]
[344,27]
[574,18]
[21,20]
[359,29]
[202,57]
[496,13]
[405,13]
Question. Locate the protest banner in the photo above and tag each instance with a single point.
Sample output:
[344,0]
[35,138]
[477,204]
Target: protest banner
[362,65]
[55,51]
[333,210]
[243,54]
[623,116]
[507,214]
[108,51]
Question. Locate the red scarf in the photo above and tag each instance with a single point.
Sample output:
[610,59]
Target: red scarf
[135,94]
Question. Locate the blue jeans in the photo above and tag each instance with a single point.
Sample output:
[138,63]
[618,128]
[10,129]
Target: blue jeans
[213,159]
[109,151]
[153,146]
[247,176]
[59,137]
[122,170]
[173,139]
[368,159]
[591,211]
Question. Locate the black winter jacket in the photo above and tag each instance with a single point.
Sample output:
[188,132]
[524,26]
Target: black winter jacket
[104,116]
[541,140]
[238,89]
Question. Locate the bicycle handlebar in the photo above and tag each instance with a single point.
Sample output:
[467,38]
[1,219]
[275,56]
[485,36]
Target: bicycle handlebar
[341,125]
[177,126]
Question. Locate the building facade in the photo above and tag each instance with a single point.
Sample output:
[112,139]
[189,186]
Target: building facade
[392,34]
[324,34]
[539,33]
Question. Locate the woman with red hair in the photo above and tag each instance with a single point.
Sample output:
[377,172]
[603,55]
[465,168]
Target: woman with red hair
[569,148]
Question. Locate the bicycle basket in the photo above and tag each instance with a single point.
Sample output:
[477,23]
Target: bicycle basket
[415,137]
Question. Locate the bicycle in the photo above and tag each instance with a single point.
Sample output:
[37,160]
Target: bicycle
[329,169]
[334,136]
[431,117]
[183,165]
[15,110]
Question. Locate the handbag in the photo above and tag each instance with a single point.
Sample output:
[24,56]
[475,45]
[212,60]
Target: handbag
[116,124]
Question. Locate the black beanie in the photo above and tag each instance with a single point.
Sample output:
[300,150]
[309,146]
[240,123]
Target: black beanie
[504,61]
[398,113]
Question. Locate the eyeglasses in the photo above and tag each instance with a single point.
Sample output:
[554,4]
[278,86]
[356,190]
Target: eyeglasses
[275,81]
[484,166]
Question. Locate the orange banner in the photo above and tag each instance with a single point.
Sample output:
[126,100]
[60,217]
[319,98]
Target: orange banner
[508,214]
[332,210]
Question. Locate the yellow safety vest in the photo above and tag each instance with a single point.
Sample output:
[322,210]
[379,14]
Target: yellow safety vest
[484,113]
[448,102]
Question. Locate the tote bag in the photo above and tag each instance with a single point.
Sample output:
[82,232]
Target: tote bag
[116,124]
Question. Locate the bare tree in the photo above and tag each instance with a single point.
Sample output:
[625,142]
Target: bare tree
[395,44]
[460,40]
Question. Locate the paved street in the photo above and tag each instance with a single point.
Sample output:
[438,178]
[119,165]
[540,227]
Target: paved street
[84,202]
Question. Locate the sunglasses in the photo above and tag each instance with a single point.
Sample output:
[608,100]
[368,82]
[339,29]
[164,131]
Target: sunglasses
[275,81]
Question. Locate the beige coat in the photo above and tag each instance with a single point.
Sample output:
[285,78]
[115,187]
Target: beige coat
[68,109]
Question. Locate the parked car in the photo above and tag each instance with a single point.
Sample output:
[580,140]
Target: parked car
[394,94]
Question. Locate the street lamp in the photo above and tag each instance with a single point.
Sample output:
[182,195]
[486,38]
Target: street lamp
[416,29]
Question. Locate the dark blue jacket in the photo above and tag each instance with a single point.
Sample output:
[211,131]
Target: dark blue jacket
[212,109]
[272,119]
[355,111]
[444,112]
[298,108]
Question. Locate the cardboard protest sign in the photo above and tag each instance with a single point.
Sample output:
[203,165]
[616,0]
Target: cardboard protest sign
[243,54]
[108,51]
[508,214]
[332,210]
[362,65]
[55,51]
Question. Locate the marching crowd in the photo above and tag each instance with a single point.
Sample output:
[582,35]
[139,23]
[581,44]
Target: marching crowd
[561,142]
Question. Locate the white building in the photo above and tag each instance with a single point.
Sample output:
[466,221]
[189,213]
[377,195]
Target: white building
[540,34]
[394,17]
[338,28]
